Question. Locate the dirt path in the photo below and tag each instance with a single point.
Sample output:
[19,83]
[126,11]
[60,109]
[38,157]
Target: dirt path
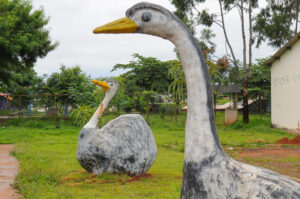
[285,161]
[8,169]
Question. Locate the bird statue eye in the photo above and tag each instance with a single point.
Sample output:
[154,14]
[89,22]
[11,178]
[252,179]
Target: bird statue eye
[146,16]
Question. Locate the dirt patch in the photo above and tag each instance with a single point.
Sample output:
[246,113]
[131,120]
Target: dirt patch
[296,140]
[73,181]
[138,178]
[276,153]
[285,161]
[286,140]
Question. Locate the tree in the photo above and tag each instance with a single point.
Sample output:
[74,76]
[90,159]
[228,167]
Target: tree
[72,82]
[25,83]
[208,19]
[241,7]
[145,73]
[23,38]
[178,87]
[261,78]
[277,23]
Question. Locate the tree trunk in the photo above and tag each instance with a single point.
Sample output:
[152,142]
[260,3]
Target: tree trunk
[250,40]
[244,40]
[297,15]
[245,101]
[226,37]
[55,114]
[20,108]
[176,111]
[148,106]
[260,105]
[245,78]
[248,75]
[235,101]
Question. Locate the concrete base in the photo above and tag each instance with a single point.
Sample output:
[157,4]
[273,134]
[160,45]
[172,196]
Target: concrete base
[231,116]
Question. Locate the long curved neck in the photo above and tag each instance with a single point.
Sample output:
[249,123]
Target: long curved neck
[201,139]
[93,122]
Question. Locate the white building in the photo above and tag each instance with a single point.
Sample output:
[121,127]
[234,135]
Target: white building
[285,85]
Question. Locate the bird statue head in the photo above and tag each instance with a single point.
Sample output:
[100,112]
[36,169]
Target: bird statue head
[110,86]
[144,18]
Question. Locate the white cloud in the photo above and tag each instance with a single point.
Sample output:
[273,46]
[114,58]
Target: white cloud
[71,24]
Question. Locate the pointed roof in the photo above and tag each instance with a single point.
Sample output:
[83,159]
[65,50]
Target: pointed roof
[282,50]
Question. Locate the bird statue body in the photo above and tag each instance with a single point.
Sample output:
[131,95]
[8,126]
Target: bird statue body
[125,144]
[208,171]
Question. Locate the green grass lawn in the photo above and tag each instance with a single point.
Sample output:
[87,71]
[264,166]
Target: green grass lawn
[223,101]
[49,169]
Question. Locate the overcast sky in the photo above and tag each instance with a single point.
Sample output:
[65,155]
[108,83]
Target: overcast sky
[72,21]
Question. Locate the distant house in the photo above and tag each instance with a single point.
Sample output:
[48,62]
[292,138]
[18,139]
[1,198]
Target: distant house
[285,85]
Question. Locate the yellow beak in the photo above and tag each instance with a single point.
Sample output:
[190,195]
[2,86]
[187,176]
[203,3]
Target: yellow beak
[102,84]
[124,25]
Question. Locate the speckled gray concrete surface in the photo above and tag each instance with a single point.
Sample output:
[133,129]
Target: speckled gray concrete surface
[124,144]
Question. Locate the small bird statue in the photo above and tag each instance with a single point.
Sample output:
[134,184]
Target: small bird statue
[208,172]
[125,144]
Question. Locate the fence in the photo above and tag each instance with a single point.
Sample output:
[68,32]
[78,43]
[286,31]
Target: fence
[47,105]
[35,105]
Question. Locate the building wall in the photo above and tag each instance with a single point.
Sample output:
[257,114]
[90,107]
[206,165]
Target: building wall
[285,89]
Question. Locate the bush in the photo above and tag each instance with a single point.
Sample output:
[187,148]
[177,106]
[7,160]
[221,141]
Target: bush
[81,115]
[127,104]
[139,101]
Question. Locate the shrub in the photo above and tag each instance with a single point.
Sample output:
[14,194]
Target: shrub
[81,115]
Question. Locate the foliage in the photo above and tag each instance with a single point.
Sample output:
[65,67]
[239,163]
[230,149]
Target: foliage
[167,109]
[23,38]
[139,102]
[261,78]
[121,100]
[127,104]
[217,72]
[178,87]
[145,73]
[81,115]
[274,23]
[277,22]
[229,73]
[207,46]
[191,16]
[185,6]
[149,95]
[73,83]
[230,4]
[24,83]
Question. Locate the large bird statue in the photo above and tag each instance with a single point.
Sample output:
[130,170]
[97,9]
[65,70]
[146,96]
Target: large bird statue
[208,172]
[125,144]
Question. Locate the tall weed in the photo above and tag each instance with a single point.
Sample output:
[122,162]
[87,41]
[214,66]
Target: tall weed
[81,115]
